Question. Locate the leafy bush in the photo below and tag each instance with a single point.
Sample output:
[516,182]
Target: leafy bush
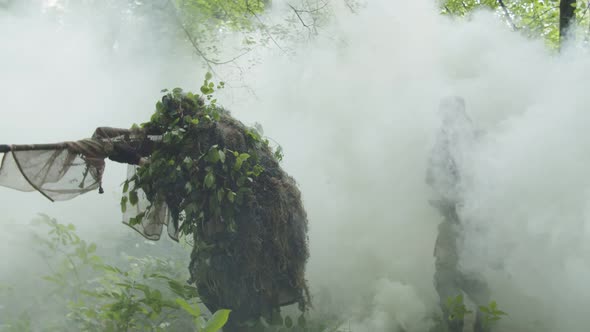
[458,310]
[148,294]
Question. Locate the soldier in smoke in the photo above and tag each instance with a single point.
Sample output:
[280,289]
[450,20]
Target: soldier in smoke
[444,176]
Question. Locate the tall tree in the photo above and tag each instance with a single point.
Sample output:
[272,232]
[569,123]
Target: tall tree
[567,15]
[552,20]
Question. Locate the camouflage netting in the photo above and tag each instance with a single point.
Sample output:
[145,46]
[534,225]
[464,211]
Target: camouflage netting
[60,171]
[262,263]
[222,183]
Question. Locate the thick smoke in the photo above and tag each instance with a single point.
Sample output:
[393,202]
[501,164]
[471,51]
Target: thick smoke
[355,112]
[358,122]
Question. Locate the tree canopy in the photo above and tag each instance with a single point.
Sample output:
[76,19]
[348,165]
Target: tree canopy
[534,18]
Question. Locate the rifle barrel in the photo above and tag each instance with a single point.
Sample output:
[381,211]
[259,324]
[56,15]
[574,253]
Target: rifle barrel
[64,145]
[29,147]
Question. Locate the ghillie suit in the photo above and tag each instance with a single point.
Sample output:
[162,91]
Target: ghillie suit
[444,177]
[244,212]
[199,172]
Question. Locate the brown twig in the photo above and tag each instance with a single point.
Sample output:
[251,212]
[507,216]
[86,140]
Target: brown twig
[264,27]
[298,12]
[209,62]
[352,10]
[299,16]
[507,13]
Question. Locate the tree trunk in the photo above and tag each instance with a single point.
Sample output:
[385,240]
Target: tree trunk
[567,15]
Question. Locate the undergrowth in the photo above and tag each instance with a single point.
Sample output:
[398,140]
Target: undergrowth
[85,290]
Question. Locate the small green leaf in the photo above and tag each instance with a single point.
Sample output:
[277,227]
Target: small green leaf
[133,199]
[193,311]
[208,76]
[126,186]
[209,180]
[213,155]
[484,309]
[124,204]
[217,321]
[221,156]
[238,165]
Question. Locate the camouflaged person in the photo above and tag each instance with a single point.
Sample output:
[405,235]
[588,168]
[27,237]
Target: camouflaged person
[457,133]
[254,269]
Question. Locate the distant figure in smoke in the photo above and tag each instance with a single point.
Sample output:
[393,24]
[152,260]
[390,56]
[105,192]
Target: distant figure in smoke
[444,176]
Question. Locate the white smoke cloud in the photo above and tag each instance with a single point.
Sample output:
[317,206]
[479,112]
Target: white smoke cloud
[355,112]
[357,123]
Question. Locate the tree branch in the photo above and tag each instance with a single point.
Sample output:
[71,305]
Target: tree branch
[507,13]
[264,27]
[352,10]
[299,16]
[567,14]
[209,62]
[298,12]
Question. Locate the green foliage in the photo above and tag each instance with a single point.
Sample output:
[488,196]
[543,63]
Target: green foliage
[198,180]
[458,310]
[62,241]
[221,183]
[491,313]
[206,22]
[235,15]
[533,18]
[456,307]
[215,323]
[147,295]
[460,8]
[21,323]
[129,294]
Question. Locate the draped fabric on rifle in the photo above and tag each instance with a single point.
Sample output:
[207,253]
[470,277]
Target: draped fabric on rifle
[65,170]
